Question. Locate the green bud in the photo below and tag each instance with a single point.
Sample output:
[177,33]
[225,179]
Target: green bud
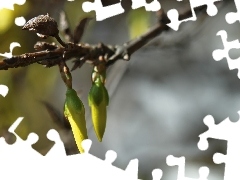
[75,113]
[98,101]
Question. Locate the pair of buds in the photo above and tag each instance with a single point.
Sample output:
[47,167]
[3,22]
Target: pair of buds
[98,101]
[98,98]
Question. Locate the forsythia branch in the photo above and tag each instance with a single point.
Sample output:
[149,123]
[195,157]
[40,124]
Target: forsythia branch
[50,54]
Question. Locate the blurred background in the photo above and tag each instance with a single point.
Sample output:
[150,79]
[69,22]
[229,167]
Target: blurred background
[157,100]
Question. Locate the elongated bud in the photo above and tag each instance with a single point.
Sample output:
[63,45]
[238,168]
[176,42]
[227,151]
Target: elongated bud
[75,113]
[98,100]
[43,25]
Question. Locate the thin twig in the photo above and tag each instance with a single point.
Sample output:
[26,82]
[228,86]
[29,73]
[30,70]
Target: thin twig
[126,50]
[91,53]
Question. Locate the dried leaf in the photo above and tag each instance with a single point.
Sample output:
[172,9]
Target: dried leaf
[79,30]
[77,64]
[43,25]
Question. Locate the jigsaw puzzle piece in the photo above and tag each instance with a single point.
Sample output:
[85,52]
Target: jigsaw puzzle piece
[211,7]
[232,17]
[219,54]
[12,46]
[4,147]
[157,174]
[222,53]
[219,158]
[10,4]
[232,164]
[203,173]
[22,148]
[229,131]
[215,131]
[58,149]
[173,14]
[153,6]
[101,11]
[177,161]
[110,156]
[86,144]
[3,90]
[180,162]
[129,173]
[14,126]
[203,143]
[132,168]
[101,168]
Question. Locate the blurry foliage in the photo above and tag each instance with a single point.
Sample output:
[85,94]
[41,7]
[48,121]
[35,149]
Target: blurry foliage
[26,85]
[75,13]
[138,21]
[29,85]
[6,17]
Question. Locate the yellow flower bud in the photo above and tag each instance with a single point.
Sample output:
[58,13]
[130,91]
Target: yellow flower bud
[75,113]
[98,101]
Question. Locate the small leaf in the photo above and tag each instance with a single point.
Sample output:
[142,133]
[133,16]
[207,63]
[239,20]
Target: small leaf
[79,30]
[77,64]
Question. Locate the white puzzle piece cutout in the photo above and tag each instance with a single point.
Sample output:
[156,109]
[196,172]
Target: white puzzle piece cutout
[12,46]
[9,4]
[173,14]
[21,158]
[103,12]
[232,17]
[153,6]
[180,162]
[219,54]
[229,131]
